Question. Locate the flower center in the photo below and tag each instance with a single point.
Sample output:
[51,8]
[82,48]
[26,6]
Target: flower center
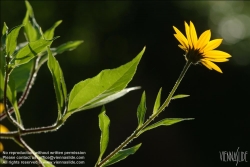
[194,56]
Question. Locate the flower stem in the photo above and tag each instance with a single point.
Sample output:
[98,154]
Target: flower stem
[136,133]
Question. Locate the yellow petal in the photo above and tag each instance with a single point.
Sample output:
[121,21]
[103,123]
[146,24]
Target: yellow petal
[212,45]
[216,54]
[212,65]
[216,60]
[1,107]
[180,40]
[181,37]
[188,35]
[182,47]
[203,39]
[3,129]
[205,64]
[193,34]
[1,147]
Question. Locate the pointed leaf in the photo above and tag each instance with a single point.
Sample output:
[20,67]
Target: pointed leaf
[5,29]
[49,34]
[31,28]
[2,71]
[4,35]
[11,94]
[165,122]
[31,33]
[29,8]
[67,46]
[122,155]
[109,98]
[31,50]
[21,75]
[157,102]
[179,96]
[11,40]
[104,127]
[141,110]
[58,80]
[102,85]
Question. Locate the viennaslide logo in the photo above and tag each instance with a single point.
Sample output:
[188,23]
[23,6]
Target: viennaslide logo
[234,156]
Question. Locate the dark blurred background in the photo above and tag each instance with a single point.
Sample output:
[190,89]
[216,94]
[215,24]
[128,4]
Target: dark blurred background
[114,32]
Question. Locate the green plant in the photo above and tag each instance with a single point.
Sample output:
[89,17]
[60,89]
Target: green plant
[20,64]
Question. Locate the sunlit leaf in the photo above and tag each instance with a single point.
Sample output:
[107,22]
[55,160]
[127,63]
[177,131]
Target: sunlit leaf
[67,47]
[31,50]
[102,85]
[179,96]
[29,8]
[141,110]
[104,127]
[31,33]
[157,102]
[5,29]
[49,34]
[31,28]
[11,40]
[11,94]
[165,122]
[58,80]
[110,98]
[122,155]
[4,34]
[21,75]
[2,66]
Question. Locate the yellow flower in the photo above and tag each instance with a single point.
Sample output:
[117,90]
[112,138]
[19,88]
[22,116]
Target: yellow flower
[1,107]
[3,129]
[201,50]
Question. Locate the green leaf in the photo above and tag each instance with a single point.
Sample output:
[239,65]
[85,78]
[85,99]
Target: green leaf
[49,34]
[31,33]
[104,127]
[110,98]
[165,122]
[29,8]
[4,34]
[2,71]
[71,45]
[11,94]
[5,29]
[31,27]
[104,84]
[31,50]
[141,110]
[58,80]
[21,75]
[11,40]
[157,102]
[179,96]
[122,155]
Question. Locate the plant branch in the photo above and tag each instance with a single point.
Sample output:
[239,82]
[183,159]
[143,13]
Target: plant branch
[23,132]
[26,91]
[21,142]
[136,133]
[6,78]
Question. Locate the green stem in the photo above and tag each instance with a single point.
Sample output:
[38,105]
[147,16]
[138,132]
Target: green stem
[136,133]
